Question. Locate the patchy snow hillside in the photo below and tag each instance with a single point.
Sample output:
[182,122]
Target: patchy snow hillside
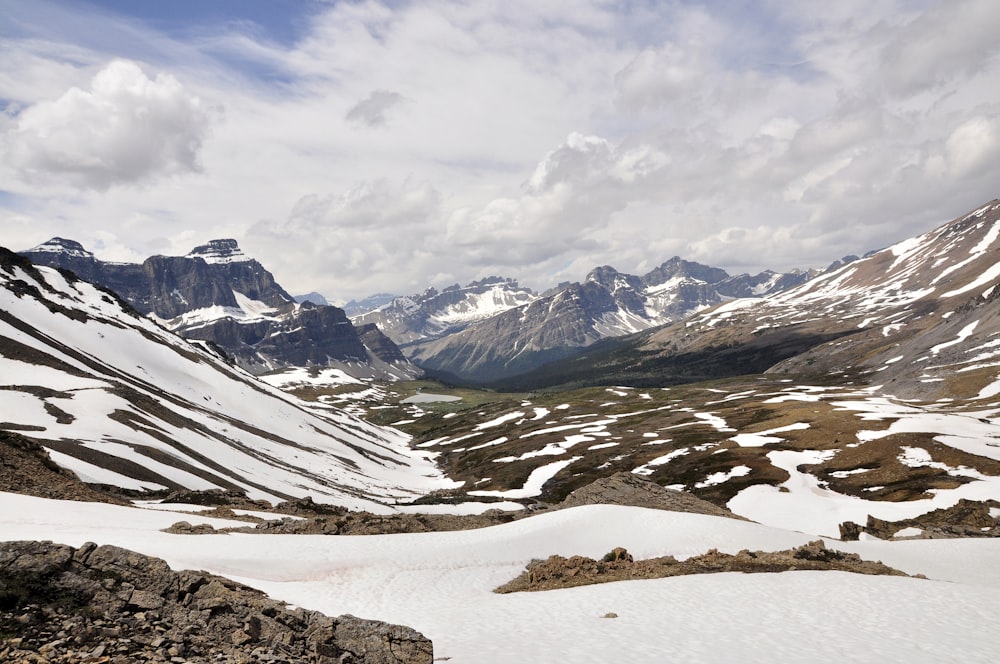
[792,455]
[120,401]
[921,317]
[441,584]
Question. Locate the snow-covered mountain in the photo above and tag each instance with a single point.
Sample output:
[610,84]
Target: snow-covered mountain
[217,293]
[435,313]
[367,304]
[921,316]
[120,401]
[608,303]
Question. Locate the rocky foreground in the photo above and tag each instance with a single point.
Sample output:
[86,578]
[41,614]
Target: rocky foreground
[104,604]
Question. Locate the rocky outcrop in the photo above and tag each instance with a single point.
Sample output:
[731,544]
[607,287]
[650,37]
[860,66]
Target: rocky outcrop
[106,604]
[379,344]
[25,467]
[628,489]
[967,518]
[308,336]
[618,565]
[179,284]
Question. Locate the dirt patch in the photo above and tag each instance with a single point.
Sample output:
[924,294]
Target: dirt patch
[559,572]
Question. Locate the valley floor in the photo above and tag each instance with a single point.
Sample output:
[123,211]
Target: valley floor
[441,584]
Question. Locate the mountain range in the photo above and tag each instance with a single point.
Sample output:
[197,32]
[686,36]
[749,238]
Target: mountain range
[861,406]
[919,315]
[493,329]
[117,399]
[218,294]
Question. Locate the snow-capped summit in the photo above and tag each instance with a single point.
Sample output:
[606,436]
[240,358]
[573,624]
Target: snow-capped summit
[219,251]
[58,245]
[434,313]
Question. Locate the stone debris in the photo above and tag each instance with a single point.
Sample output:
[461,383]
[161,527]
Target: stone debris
[100,604]
[618,565]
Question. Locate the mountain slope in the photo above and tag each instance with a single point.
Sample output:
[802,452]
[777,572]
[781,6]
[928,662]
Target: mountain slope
[217,293]
[920,316]
[120,401]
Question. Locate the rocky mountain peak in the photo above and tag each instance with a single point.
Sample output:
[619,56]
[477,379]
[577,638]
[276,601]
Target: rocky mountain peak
[604,275]
[491,281]
[677,267]
[59,245]
[219,251]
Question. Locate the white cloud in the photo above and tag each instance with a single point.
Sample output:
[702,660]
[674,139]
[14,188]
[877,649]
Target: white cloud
[746,135]
[125,128]
[973,145]
[364,233]
[951,39]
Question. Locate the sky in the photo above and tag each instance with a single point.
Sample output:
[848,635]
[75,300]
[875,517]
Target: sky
[363,147]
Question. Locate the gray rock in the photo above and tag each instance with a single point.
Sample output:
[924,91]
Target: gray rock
[97,602]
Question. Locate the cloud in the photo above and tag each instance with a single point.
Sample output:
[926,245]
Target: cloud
[973,145]
[535,142]
[126,128]
[949,39]
[370,232]
[370,112]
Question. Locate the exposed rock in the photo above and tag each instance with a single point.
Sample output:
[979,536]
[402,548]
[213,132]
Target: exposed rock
[25,467]
[559,572]
[106,604]
[217,498]
[967,518]
[320,519]
[629,489]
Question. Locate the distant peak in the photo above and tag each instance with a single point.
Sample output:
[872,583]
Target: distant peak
[219,251]
[59,245]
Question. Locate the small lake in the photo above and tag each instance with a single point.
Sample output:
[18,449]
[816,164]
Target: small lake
[428,397]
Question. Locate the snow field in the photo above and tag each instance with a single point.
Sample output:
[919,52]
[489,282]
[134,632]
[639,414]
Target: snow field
[441,584]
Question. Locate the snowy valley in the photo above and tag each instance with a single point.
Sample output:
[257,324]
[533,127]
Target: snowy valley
[859,408]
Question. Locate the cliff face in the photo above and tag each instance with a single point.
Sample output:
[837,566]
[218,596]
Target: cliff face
[308,336]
